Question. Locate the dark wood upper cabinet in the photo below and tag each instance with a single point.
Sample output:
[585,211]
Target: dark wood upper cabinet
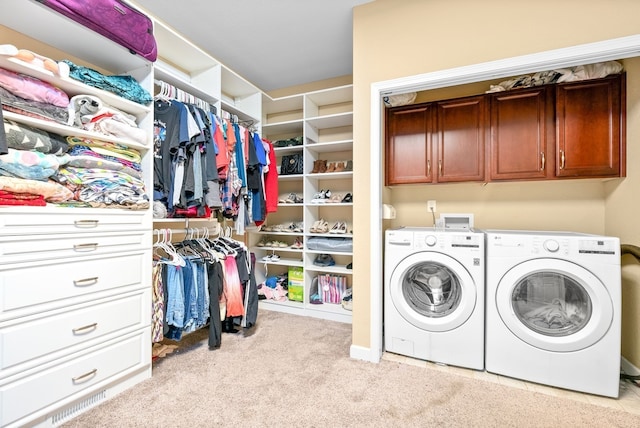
[522,135]
[459,137]
[566,130]
[591,128]
[408,148]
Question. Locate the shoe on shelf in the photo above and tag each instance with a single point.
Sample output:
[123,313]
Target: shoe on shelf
[324,260]
[340,166]
[349,166]
[297,244]
[322,166]
[347,299]
[294,228]
[339,227]
[315,226]
[331,167]
[347,198]
[315,299]
[314,170]
[323,227]
[291,198]
[336,198]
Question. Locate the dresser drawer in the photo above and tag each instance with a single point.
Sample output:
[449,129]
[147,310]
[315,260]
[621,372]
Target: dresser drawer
[16,249]
[44,220]
[34,287]
[21,397]
[53,336]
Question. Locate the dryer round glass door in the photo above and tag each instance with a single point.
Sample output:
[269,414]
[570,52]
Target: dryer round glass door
[432,291]
[554,305]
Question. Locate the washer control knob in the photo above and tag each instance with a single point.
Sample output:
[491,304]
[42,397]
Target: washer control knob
[551,245]
[430,240]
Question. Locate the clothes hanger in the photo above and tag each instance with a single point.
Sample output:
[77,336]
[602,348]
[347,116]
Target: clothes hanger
[167,246]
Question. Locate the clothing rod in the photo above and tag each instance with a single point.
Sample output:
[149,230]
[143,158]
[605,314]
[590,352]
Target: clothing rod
[182,95]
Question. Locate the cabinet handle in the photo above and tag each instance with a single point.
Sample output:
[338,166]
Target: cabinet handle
[86,223]
[85,282]
[85,247]
[84,329]
[543,161]
[561,159]
[85,377]
[439,166]
[428,167]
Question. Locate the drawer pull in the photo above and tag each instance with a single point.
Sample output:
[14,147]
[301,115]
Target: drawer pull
[85,329]
[85,282]
[86,223]
[85,377]
[86,247]
[561,159]
[543,161]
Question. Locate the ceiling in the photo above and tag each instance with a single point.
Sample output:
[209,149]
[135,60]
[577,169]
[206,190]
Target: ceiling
[272,44]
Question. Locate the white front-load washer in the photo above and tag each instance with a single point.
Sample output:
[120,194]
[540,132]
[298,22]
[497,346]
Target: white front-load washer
[553,309]
[434,295]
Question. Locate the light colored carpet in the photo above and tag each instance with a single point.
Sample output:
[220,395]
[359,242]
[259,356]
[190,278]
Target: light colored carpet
[296,371]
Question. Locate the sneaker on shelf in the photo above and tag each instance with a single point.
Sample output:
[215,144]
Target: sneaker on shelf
[324,260]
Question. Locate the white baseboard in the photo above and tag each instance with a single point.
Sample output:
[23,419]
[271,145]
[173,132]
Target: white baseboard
[628,368]
[365,354]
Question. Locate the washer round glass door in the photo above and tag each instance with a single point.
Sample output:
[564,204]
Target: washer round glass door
[433,291]
[554,305]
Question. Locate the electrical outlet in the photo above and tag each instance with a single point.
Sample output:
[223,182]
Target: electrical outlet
[431,206]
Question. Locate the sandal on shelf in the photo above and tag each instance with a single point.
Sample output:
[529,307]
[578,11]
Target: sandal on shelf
[323,227]
[339,227]
[336,198]
[347,198]
[314,227]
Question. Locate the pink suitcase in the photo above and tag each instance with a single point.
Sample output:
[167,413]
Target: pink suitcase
[113,19]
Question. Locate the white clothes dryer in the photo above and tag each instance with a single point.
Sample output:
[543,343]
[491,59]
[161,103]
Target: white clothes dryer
[434,295]
[554,309]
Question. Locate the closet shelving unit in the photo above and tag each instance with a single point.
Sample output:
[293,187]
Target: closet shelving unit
[186,67]
[74,282]
[324,118]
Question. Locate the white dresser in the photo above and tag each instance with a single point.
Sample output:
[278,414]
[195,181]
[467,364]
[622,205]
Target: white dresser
[75,283]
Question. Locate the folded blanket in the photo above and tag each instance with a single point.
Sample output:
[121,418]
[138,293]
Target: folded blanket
[50,190]
[31,88]
[24,137]
[35,109]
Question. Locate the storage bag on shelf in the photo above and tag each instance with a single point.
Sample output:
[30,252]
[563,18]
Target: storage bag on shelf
[114,19]
[331,288]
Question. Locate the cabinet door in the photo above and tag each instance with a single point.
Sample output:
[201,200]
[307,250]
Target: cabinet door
[591,128]
[460,139]
[522,135]
[408,148]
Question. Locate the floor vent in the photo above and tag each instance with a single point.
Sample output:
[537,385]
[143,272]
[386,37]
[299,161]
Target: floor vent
[72,411]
